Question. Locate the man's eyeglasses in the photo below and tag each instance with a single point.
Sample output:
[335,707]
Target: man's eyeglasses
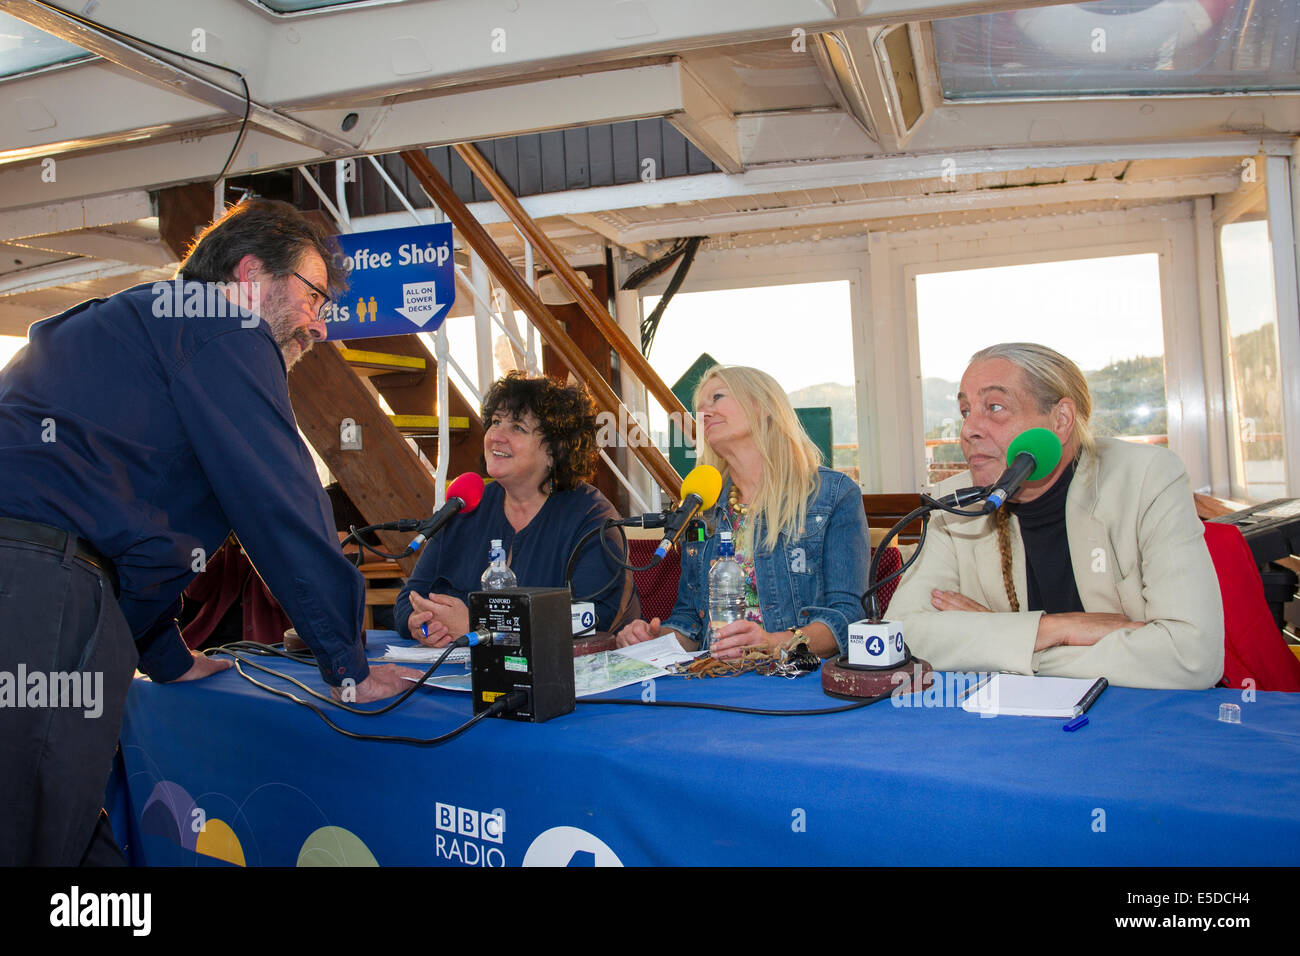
[317,295]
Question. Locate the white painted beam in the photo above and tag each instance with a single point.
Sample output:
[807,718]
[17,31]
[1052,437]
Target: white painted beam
[707,123]
[62,273]
[160,72]
[103,245]
[1282,214]
[956,202]
[851,172]
[593,223]
[56,217]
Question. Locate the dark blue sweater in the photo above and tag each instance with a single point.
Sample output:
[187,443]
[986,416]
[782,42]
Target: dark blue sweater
[455,559]
[152,435]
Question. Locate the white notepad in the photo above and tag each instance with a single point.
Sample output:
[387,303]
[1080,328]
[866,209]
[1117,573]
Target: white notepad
[1020,695]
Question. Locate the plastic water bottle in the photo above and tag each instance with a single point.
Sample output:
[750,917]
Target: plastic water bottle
[498,574]
[726,587]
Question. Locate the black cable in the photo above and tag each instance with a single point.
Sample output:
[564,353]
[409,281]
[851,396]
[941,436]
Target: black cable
[623,566]
[496,707]
[509,702]
[651,323]
[627,566]
[233,650]
[920,541]
[696,705]
[355,533]
[647,272]
[123,35]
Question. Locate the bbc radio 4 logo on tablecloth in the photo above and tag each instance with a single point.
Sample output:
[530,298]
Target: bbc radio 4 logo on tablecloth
[477,838]
[470,837]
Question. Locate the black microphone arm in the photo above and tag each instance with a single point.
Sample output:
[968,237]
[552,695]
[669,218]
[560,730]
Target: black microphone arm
[434,524]
[676,521]
[1009,483]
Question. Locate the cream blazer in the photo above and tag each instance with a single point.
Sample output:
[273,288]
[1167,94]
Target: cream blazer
[1137,548]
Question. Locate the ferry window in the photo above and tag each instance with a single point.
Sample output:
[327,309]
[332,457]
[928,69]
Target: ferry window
[800,334]
[1258,459]
[1103,313]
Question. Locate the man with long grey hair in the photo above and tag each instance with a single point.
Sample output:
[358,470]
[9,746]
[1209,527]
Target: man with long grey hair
[1098,569]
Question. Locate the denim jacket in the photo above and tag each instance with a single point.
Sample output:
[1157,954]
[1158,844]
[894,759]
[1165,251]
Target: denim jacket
[820,576]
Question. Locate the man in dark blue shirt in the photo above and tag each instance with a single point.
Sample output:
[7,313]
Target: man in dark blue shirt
[135,433]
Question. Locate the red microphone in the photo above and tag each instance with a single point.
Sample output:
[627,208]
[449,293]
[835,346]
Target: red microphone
[463,495]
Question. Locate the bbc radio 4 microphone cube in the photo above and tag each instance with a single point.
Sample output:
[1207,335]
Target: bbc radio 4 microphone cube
[531,650]
[876,645]
[584,618]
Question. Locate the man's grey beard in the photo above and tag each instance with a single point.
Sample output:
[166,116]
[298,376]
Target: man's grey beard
[303,339]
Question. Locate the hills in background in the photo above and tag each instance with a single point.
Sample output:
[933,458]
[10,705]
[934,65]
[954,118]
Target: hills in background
[1128,399]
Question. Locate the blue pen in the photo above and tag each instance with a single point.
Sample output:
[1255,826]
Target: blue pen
[425,628]
[1077,723]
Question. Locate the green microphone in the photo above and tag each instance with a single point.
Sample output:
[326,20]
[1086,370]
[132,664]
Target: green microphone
[1031,456]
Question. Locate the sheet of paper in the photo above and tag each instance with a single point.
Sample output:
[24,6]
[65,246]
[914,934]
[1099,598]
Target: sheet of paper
[661,652]
[606,670]
[461,683]
[420,654]
[1022,695]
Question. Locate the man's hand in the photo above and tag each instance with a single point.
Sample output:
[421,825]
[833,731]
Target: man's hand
[1079,629]
[204,667]
[954,601]
[385,680]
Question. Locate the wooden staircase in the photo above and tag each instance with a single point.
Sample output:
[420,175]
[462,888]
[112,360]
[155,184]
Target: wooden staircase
[404,372]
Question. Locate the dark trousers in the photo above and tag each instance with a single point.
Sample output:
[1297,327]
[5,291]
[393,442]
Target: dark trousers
[59,619]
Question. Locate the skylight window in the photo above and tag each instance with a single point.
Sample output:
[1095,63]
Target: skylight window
[1121,47]
[24,48]
[301,6]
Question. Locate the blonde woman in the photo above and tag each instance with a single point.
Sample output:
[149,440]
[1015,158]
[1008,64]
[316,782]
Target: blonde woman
[800,530]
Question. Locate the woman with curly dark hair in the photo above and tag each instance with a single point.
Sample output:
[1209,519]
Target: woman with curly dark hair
[539,447]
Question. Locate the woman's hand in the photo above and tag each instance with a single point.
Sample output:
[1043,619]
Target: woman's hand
[732,640]
[422,613]
[640,631]
[447,618]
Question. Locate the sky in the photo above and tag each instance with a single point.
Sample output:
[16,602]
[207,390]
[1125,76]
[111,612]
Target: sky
[1096,311]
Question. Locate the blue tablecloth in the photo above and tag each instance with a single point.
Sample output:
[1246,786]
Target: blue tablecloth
[217,770]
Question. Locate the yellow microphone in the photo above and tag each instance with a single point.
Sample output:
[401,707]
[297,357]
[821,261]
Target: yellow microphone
[700,490]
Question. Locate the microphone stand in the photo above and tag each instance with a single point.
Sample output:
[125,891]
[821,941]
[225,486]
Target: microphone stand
[951,504]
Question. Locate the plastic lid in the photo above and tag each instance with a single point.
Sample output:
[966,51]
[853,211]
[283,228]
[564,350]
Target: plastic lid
[496,543]
[725,535]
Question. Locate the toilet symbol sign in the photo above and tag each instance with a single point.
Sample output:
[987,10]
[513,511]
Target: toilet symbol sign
[399,281]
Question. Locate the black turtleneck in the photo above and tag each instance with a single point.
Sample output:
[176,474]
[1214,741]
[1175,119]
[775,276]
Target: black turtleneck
[1048,571]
